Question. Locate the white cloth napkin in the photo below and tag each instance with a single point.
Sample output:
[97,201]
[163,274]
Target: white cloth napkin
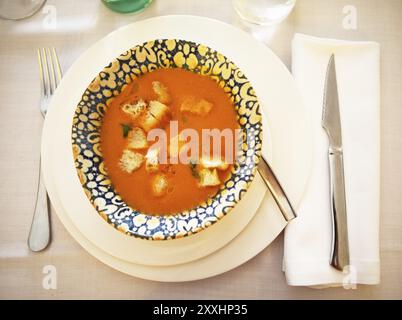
[308,238]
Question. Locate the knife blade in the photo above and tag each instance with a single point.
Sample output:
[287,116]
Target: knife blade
[276,190]
[331,123]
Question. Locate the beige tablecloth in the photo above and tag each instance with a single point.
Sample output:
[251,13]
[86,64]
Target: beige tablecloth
[79,275]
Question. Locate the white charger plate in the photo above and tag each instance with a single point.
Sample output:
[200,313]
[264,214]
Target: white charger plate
[291,140]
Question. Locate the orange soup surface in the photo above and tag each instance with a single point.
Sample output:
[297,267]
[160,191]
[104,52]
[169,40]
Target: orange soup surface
[194,101]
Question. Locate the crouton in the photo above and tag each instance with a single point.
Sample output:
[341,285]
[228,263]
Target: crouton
[161,91]
[147,121]
[212,163]
[159,185]
[175,145]
[159,110]
[208,178]
[152,161]
[155,116]
[131,161]
[196,106]
[135,109]
[137,139]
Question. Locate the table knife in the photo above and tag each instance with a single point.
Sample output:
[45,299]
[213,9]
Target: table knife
[331,122]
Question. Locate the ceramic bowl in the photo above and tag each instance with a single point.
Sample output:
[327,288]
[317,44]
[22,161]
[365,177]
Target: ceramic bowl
[164,53]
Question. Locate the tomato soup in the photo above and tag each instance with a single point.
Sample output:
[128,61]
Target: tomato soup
[152,101]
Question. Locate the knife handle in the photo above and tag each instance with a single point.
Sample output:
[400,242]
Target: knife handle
[340,245]
[276,190]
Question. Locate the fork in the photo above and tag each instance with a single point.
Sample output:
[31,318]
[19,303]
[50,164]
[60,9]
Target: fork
[50,76]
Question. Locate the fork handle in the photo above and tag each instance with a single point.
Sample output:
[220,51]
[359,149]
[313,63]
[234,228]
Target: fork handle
[39,234]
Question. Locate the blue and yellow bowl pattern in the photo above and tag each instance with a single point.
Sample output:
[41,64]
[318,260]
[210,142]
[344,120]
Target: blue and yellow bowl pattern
[152,55]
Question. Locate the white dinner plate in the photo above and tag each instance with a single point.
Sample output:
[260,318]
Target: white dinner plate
[84,215]
[290,138]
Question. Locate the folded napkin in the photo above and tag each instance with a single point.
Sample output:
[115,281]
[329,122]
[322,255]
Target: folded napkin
[308,238]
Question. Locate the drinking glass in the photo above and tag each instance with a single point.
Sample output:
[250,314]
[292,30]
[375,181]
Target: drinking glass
[126,6]
[19,9]
[263,12]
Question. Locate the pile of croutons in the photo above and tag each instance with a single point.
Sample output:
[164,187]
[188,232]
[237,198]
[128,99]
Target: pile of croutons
[156,114]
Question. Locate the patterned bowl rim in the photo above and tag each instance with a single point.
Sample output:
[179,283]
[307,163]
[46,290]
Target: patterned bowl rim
[138,60]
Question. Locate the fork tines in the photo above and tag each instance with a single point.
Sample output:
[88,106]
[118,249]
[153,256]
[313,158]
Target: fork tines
[50,71]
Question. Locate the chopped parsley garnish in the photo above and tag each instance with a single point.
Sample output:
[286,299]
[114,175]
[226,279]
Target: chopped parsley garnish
[126,128]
